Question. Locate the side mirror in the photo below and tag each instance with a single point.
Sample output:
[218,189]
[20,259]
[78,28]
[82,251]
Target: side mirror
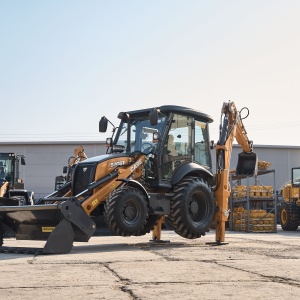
[103,124]
[23,161]
[153,116]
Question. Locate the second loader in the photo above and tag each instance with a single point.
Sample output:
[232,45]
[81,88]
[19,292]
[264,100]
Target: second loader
[289,212]
[158,165]
[12,191]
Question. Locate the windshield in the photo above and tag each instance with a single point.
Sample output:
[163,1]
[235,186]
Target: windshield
[202,152]
[296,176]
[141,134]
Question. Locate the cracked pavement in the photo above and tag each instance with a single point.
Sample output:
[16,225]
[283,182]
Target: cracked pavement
[250,266]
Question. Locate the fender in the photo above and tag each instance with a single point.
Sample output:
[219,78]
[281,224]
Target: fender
[137,185]
[187,168]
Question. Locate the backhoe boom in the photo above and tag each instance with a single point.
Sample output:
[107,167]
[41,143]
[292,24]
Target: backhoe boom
[231,128]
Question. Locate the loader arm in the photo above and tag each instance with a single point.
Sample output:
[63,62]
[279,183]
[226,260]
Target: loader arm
[104,186]
[68,218]
[231,128]
[4,188]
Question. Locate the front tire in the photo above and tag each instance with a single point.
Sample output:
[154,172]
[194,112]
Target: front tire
[1,235]
[192,208]
[289,216]
[126,211]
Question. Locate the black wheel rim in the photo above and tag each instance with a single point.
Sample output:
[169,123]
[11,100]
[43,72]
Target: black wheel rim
[131,212]
[284,216]
[197,207]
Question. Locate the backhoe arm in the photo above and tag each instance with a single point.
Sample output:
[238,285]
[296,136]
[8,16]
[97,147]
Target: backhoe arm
[231,128]
[79,155]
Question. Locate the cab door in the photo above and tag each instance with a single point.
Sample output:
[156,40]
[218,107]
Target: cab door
[177,145]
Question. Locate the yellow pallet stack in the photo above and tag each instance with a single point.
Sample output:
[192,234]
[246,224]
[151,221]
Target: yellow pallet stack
[260,220]
[263,165]
[239,191]
[255,191]
[240,216]
[260,191]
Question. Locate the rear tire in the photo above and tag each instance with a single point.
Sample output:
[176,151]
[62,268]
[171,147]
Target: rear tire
[126,211]
[192,208]
[1,235]
[289,216]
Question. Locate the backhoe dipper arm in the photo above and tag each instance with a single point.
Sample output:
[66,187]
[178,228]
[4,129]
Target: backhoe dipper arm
[231,127]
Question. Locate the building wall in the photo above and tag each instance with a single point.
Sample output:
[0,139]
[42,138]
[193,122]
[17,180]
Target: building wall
[45,161]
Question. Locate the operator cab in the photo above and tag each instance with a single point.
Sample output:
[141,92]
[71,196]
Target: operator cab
[170,136]
[296,177]
[9,167]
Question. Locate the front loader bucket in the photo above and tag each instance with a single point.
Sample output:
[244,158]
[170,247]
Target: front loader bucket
[247,164]
[58,224]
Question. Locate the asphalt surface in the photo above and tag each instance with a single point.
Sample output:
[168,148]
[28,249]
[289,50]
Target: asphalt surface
[250,266]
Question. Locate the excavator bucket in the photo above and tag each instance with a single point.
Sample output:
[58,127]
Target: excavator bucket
[58,224]
[247,164]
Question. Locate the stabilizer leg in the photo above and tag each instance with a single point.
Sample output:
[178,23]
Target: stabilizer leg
[156,234]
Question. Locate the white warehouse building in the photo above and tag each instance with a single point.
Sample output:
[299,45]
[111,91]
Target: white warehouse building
[45,161]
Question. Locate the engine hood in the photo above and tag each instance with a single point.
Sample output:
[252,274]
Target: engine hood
[102,158]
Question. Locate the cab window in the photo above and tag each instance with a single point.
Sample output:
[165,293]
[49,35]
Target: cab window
[202,153]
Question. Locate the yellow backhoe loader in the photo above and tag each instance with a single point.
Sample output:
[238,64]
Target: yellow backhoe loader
[145,176]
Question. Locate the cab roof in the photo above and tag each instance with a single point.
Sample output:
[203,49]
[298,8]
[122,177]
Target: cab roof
[169,109]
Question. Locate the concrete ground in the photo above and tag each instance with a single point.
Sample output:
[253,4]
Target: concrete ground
[251,266]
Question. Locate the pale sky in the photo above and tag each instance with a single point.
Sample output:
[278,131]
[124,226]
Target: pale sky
[64,64]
